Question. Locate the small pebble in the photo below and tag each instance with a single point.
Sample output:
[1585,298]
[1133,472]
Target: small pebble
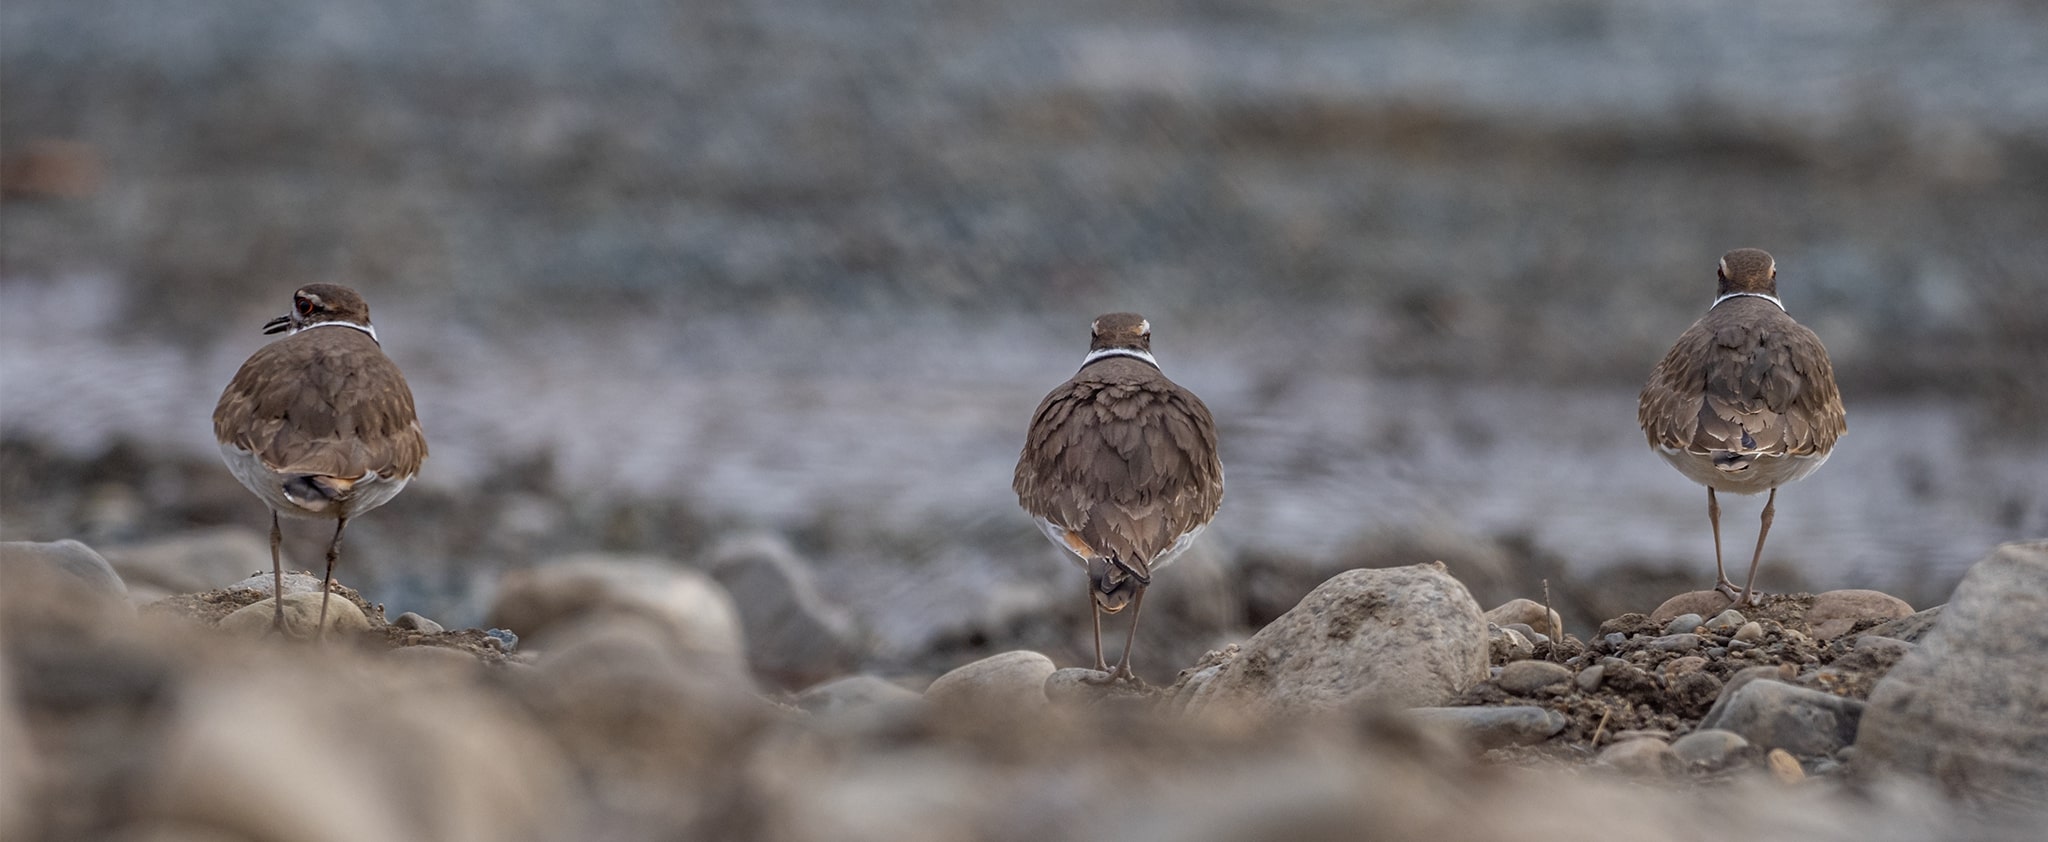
[1615,640]
[1683,623]
[1680,666]
[1613,663]
[1750,632]
[1681,642]
[1717,651]
[1525,678]
[1590,677]
[1726,620]
[1710,748]
[1524,629]
[1642,756]
[507,641]
[1740,646]
[409,620]
[1784,766]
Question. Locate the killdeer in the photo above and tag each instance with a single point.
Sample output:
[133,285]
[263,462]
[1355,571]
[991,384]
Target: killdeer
[1745,402]
[1120,469]
[320,423]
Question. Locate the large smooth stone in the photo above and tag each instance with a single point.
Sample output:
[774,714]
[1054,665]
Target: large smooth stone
[1968,707]
[1009,681]
[68,557]
[1530,612]
[693,612]
[1403,636]
[1835,612]
[795,637]
[301,616]
[1703,603]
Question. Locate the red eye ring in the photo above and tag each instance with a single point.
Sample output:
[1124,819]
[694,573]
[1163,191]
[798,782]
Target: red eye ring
[303,305]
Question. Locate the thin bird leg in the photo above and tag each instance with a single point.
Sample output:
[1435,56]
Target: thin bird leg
[1123,664]
[276,575]
[1095,611]
[1749,595]
[333,552]
[1721,582]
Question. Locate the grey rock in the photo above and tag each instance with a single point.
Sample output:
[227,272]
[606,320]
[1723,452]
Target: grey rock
[1682,642]
[1646,756]
[1967,708]
[1509,645]
[1006,682]
[1683,623]
[690,610]
[1405,636]
[1726,621]
[193,561]
[1589,678]
[1711,748]
[1526,678]
[1527,612]
[1742,677]
[1749,632]
[1615,640]
[853,692]
[67,557]
[506,639]
[1909,629]
[795,636]
[1495,727]
[1773,714]
[415,622]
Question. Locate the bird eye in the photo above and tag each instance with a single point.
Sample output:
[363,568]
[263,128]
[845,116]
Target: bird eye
[303,305]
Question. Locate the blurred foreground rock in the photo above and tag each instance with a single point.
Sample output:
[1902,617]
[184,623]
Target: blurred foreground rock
[160,725]
[1968,708]
[693,613]
[68,557]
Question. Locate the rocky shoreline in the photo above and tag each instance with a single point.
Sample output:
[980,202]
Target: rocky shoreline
[630,698]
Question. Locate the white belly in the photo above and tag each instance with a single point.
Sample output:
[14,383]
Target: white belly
[1058,535]
[369,492]
[1762,475]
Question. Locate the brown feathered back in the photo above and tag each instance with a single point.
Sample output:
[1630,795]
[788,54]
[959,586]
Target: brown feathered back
[323,401]
[1744,378]
[1125,459]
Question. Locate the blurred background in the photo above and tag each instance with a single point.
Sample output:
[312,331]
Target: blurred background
[663,274]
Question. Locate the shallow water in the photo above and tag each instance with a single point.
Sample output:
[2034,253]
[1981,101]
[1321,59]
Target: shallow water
[896,430]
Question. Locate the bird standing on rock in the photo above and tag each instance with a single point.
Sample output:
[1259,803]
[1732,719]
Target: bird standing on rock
[1119,468]
[320,424]
[1745,402]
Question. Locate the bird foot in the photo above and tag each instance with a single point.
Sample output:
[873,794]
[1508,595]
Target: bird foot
[1120,674]
[1736,597]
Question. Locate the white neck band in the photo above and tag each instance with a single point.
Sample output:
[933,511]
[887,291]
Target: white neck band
[1106,353]
[364,328]
[1771,298]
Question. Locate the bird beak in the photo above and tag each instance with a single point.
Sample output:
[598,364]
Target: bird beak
[278,324]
